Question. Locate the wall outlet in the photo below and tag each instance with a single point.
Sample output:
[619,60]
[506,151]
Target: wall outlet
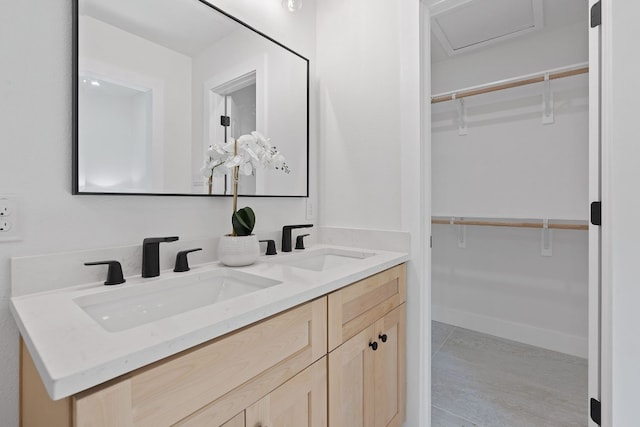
[5,207]
[9,218]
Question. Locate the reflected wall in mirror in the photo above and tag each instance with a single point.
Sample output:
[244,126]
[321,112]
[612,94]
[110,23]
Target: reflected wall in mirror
[159,81]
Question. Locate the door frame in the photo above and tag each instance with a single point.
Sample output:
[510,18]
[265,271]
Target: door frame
[595,194]
[600,271]
[601,53]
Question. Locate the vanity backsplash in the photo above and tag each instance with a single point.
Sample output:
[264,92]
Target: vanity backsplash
[39,273]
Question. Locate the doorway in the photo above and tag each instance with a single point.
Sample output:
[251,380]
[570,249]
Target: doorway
[511,266]
[232,113]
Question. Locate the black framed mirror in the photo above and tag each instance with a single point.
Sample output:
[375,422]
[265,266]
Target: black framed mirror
[162,86]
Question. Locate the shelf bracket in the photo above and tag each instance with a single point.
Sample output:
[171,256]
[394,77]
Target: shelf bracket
[546,246]
[462,116]
[547,102]
[462,235]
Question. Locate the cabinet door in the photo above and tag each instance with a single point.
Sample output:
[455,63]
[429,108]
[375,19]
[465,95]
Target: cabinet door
[367,387]
[300,402]
[351,382]
[389,369]
[237,421]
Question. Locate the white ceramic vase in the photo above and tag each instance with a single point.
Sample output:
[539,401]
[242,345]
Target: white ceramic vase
[237,251]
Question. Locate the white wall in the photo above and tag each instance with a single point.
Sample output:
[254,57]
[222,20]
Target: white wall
[371,157]
[510,165]
[529,54]
[621,204]
[35,136]
[283,122]
[358,84]
[119,50]
[501,285]
[117,142]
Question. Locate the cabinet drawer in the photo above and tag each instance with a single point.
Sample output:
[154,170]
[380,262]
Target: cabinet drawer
[357,306]
[168,391]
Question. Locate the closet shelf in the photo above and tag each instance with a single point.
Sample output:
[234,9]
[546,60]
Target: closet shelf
[528,79]
[504,222]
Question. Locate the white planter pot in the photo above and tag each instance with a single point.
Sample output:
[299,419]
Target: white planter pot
[236,251]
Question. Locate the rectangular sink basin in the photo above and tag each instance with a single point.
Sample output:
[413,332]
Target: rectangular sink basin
[128,307]
[323,259]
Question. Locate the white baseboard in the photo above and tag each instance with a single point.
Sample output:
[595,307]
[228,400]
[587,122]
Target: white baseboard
[545,338]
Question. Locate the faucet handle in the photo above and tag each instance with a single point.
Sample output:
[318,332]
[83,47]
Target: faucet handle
[182,263]
[300,241]
[114,274]
[271,247]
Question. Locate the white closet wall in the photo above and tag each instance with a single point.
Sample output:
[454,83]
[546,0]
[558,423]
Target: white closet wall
[510,165]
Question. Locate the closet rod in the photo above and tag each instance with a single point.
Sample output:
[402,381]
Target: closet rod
[558,73]
[509,224]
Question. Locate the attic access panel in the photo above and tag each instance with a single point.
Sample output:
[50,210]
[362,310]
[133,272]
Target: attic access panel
[471,24]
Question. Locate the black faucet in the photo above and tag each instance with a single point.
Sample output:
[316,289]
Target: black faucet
[286,235]
[151,255]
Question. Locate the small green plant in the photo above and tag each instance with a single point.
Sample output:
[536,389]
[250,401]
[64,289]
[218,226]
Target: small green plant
[243,221]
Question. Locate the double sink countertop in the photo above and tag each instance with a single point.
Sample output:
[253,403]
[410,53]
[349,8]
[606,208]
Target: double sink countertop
[75,345]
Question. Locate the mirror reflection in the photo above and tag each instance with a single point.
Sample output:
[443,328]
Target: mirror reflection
[162,81]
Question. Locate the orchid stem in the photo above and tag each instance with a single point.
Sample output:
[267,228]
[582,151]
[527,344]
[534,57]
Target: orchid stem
[235,184]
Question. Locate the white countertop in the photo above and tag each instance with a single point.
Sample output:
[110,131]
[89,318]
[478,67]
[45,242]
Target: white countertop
[73,353]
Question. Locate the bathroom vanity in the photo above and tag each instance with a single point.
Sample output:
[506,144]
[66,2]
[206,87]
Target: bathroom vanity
[332,353]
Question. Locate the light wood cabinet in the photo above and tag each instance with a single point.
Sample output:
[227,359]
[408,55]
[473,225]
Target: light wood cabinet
[367,386]
[357,306]
[389,369]
[300,402]
[367,367]
[351,382]
[207,385]
[237,421]
[275,373]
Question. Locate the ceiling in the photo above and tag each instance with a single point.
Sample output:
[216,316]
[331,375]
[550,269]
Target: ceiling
[187,27]
[470,25]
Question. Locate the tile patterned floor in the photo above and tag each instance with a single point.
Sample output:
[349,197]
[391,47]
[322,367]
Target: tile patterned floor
[484,381]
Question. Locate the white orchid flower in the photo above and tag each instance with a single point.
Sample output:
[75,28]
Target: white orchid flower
[206,171]
[251,155]
[260,137]
[220,170]
[216,152]
[246,169]
[246,139]
[233,162]
[253,151]
[229,147]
